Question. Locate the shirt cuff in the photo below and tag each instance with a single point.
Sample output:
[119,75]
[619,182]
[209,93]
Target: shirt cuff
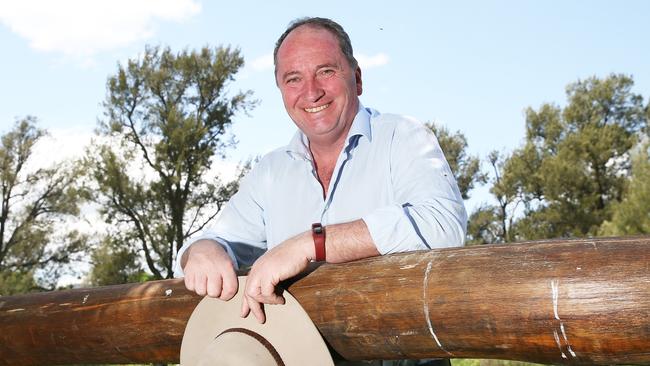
[392,231]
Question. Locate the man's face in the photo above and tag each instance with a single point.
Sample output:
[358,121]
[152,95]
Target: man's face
[319,88]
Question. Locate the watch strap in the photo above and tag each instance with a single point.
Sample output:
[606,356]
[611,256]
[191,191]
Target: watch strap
[318,233]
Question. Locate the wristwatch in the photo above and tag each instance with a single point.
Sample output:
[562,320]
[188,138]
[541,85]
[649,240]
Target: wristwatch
[318,233]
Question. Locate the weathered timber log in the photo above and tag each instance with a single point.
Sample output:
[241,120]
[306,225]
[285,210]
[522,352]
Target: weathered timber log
[573,302]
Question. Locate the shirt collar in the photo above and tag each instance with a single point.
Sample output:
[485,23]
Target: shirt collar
[299,144]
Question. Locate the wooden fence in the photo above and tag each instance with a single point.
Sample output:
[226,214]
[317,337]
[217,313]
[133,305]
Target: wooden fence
[558,301]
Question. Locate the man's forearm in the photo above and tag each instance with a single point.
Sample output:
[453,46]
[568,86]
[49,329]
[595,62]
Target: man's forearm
[349,241]
[344,243]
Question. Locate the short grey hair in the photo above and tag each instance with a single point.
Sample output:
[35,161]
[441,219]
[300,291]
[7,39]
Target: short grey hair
[322,23]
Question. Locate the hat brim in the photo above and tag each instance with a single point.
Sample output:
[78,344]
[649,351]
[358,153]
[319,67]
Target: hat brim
[288,329]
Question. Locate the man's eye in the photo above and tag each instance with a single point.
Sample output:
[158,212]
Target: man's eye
[327,72]
[292,80]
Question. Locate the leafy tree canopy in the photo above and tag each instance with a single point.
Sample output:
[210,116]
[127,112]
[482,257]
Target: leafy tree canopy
[575,162]
[34,241]
[631,216]
[167,116]
[466,168]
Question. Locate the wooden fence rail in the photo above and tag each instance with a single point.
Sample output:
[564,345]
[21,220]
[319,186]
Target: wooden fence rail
[560,301]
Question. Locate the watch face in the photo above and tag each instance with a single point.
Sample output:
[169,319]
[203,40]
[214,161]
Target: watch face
[317,228]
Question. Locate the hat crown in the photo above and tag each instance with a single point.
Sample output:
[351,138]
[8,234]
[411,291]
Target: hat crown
[255,350]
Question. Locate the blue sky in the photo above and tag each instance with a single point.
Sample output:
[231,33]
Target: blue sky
[473,66]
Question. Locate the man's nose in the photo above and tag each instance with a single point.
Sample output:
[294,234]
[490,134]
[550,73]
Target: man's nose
[313,90]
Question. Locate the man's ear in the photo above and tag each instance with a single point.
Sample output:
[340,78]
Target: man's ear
[357,76]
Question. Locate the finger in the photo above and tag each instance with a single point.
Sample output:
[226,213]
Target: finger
[268,295]
[257,310]
[252,291]
[214,285]
[245,309]
[200,284]
[229,286]
[189,281]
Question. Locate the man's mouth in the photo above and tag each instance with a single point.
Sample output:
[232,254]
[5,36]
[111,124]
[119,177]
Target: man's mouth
[317,109]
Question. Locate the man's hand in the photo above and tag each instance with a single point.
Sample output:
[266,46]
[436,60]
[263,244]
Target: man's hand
[209,270]
[283,261]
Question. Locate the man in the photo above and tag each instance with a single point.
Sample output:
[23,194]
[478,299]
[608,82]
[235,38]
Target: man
[371,183]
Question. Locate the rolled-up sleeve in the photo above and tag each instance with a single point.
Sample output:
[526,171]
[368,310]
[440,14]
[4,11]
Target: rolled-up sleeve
[239,228]
[429,211]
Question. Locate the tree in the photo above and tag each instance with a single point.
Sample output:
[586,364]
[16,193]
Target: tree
[492,223]
[631,216]
[573,165]
[113,263]
[483,226]
[466,168]
[166,118]
[36,202]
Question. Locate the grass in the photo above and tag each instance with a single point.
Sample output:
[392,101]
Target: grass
[477,362]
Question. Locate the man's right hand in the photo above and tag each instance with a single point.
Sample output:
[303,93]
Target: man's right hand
[209,270]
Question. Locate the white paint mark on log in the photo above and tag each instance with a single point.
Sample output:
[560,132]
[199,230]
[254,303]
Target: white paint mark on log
[563,332]
[557,341]
[566,340]
[408,332]
[578,268]
[425,300]
[408,266]
[15,310]
[554,294]
[168,292]
[85,298]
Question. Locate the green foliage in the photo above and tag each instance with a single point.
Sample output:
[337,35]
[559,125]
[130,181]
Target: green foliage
[12,283]
[113,263]
[166,121]
[493,223]
[466,168]
[631,216]
[484,226]
[572,167]
[35,206]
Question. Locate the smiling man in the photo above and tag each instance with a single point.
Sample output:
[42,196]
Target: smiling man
[352,183]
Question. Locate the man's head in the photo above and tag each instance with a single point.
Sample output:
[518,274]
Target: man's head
[323,23]
[319,79]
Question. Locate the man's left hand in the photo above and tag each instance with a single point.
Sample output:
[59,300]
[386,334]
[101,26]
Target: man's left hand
[280,263]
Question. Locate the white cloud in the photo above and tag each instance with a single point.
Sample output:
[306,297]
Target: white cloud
[59,145]
[82,28]
[367,62]
[263,63]
[68,144]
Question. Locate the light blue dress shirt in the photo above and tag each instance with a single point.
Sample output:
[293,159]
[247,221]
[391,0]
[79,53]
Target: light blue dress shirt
[391,173]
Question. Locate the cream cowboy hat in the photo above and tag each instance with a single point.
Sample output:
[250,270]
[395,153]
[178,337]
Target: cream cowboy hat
[216,335]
